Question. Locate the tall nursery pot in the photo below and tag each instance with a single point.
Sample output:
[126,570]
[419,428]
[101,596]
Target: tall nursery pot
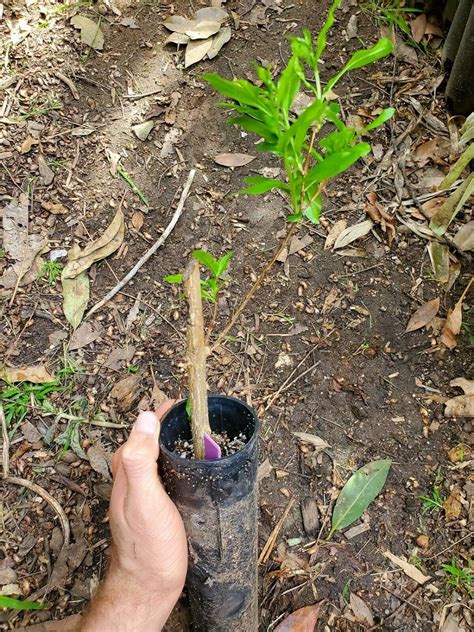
[218,503]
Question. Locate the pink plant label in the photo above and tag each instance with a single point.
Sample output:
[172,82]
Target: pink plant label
[212,450]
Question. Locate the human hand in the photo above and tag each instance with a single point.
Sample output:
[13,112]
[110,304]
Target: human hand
[149,549]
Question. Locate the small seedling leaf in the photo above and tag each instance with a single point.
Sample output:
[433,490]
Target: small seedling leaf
[381,119]
[174,278]
[423,315]
[359,491]
[18,604]
[91,33]
[223,263]
[206,260]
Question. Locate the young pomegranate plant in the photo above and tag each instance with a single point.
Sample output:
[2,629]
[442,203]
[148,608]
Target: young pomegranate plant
[311,158]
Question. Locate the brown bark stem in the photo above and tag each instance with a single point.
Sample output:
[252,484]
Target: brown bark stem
[196,357]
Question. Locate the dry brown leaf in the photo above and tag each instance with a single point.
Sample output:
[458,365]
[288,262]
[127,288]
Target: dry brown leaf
[423,315]
[352,233]
[118,356]
[452,327]
[126,391]
[452,505]
[137,220]
[84,335]
[466,385]
[56,208]
[379,215]
[361,610]
[417,27]
[47,174]
[409,569]
[330,299]
[334,233]
[461,452]
[99,460]
[91,33]
[28,144]
[464,238]
[302,620]
[233,160]
[81,260]
[196,50]
[158,396]
[36,374]
[313,440]
[264,470]
[460,406]
[218,41]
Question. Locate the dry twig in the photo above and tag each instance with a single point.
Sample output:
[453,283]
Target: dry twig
[270,543]
[151,251]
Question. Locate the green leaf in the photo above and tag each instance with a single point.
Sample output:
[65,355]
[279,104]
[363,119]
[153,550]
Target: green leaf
[260,185]
[381,119]
[76,296]
[322,36]
[223,263]
[244,109]
[298,130]
[450,208]
[335,164]
[17,604]
[357,494]
[288,85]
[458,167]
[253,126]
[313,211]
[362,58]
[206,260]
[339,140]
[239,90]
[173,278]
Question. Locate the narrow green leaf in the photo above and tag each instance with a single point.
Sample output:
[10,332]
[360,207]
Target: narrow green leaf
[458,167]
[339,140]
[206,260]
[362,58]
[239,90]
[17,604]
[253,126]
[223,263]
[381,119]
[173,278]
[299,129]
[450,208]
[322,36]
[259,185]
[336,164]
[288,85]
[247,110]
[313,212]
[357,494]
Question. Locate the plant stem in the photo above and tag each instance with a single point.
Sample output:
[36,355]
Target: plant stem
[233,319]
[196,357]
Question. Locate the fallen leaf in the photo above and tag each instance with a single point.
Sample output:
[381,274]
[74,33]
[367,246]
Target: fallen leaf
[460,453]
[180,39]
[302,620]
[234,160]
[330,299]
[56,208]
[30,433]
[352,233]
[195,29]
[464,238]
[409,569]
[334,233]
[313,440]
[129,23]
[142,130]
[452,205]
[36,374]
[417,27]
[99,460]
[47,174]
[462,405]
[170,113]
[423,315]
[158,396]
[84,335]
[310,515]
[126,391]
[91,33]
[75,293]
[361,610]
[379,215]
[28,144]
[218,41]
[351,28]
[137,220]
[452,325]
[264,470]
[466,385]
[118,356]
[109,242]
[211,13]
[196,50]
[439,257]
[452,505]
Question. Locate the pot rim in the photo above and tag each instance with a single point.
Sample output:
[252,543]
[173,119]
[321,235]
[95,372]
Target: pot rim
[174,455]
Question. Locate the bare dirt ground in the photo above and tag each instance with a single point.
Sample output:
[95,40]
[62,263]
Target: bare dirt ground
[321,349]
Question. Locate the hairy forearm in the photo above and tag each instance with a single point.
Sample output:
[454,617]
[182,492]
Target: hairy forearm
[119,608]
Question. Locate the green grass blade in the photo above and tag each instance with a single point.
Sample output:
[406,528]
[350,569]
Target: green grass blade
[17,604]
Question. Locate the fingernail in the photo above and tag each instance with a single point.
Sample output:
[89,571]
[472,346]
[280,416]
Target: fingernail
[146,423]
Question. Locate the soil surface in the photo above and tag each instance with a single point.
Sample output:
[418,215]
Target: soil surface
[321,349]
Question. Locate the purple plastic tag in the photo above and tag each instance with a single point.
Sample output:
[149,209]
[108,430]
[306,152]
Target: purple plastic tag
[212,450]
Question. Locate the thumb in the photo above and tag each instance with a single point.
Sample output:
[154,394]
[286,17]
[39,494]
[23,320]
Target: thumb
[140,452]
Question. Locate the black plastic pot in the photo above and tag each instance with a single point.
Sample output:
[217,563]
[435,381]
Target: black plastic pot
[218,503]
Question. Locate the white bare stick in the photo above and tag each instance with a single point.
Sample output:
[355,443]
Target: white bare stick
[196,357]
[151,251]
